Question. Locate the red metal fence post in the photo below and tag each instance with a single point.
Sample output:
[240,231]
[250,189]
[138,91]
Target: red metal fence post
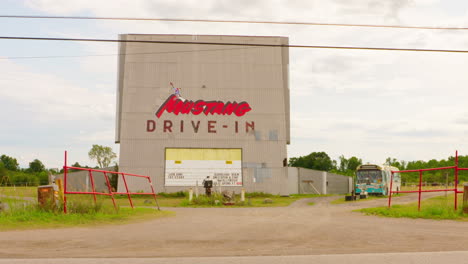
[390,193]
[456,180]
[110,190]
[420,189]
[154,194]
[126,188]
[92,186]
[465,198]
[65,184]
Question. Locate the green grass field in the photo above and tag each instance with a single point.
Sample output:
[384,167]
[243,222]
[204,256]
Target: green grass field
[251,200]
[165,200]
[439,208]
[19,191]
[26,215]
[83,211]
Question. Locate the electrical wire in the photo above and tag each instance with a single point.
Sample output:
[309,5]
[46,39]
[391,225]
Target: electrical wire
[234,44]
[233,21]
[117,54]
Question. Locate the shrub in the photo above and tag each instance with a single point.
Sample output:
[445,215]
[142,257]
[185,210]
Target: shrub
[258,195]
[206,200]
[84,207]
[179,194]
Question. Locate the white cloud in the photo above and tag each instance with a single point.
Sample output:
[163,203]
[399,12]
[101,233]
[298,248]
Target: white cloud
[52,98]
[97,136]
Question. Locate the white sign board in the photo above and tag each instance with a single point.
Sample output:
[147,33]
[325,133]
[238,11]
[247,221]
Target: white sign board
[187,167]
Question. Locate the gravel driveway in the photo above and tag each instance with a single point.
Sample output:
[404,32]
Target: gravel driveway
[299,229]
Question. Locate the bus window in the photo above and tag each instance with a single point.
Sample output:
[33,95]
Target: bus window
[369,176]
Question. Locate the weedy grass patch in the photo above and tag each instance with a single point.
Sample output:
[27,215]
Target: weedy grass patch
[18,214]
[18,191]
[256,199]
[369,197]
[439,208]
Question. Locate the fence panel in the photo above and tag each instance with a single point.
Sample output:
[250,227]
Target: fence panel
[107,189]
[420,190]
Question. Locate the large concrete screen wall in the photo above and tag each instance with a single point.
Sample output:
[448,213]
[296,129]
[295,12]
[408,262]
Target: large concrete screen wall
[176,92]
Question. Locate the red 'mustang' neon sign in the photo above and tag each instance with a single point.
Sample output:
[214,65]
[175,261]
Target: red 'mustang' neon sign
[177,106]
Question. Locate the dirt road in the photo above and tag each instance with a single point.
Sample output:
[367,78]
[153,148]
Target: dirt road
[295,230]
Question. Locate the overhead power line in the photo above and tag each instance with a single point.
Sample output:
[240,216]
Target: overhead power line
[233,21]
[116,54]
[232,44]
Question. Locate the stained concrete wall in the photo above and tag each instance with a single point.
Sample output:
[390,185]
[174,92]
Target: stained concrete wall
[79,181]
[293,180]
[316,182]
[337,184]
[254,74]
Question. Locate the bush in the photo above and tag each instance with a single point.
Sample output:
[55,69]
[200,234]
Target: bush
[179,194]
[22,178]
[84,207]
[206,200]
[258,195]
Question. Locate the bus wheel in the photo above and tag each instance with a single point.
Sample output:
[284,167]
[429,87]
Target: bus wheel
[387,192]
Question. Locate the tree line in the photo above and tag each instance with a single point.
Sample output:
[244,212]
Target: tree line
[347,166]
[37,174]
[12,174]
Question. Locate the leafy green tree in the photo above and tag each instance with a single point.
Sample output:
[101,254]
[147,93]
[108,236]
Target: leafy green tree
[43,177]
[353,163]
[4,179]
[347,166]
[10,163]
[36,166]
[293,162]
[315,160]
[76,165]
[103,155]
[343,164]
[22,178]
[114,179]
[3,170]
[394,162]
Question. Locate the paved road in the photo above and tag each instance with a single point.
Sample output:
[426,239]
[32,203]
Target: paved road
[323,229]
[383,258]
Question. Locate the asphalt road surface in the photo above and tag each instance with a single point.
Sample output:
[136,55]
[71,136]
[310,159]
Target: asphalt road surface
[382,258]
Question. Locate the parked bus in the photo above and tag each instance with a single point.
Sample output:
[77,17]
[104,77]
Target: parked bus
[375,179]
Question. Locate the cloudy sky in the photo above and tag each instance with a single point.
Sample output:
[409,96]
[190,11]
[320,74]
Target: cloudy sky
[370,104]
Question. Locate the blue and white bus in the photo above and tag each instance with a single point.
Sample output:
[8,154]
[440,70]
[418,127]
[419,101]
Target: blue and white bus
[375,179]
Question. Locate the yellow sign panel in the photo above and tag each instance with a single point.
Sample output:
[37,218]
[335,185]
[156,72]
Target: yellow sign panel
[203,154]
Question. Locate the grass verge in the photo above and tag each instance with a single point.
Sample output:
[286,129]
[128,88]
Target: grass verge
[251,200]
[19,191]
[217,201]
[177,199]
[22,215]
[438,208]
[370,197]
